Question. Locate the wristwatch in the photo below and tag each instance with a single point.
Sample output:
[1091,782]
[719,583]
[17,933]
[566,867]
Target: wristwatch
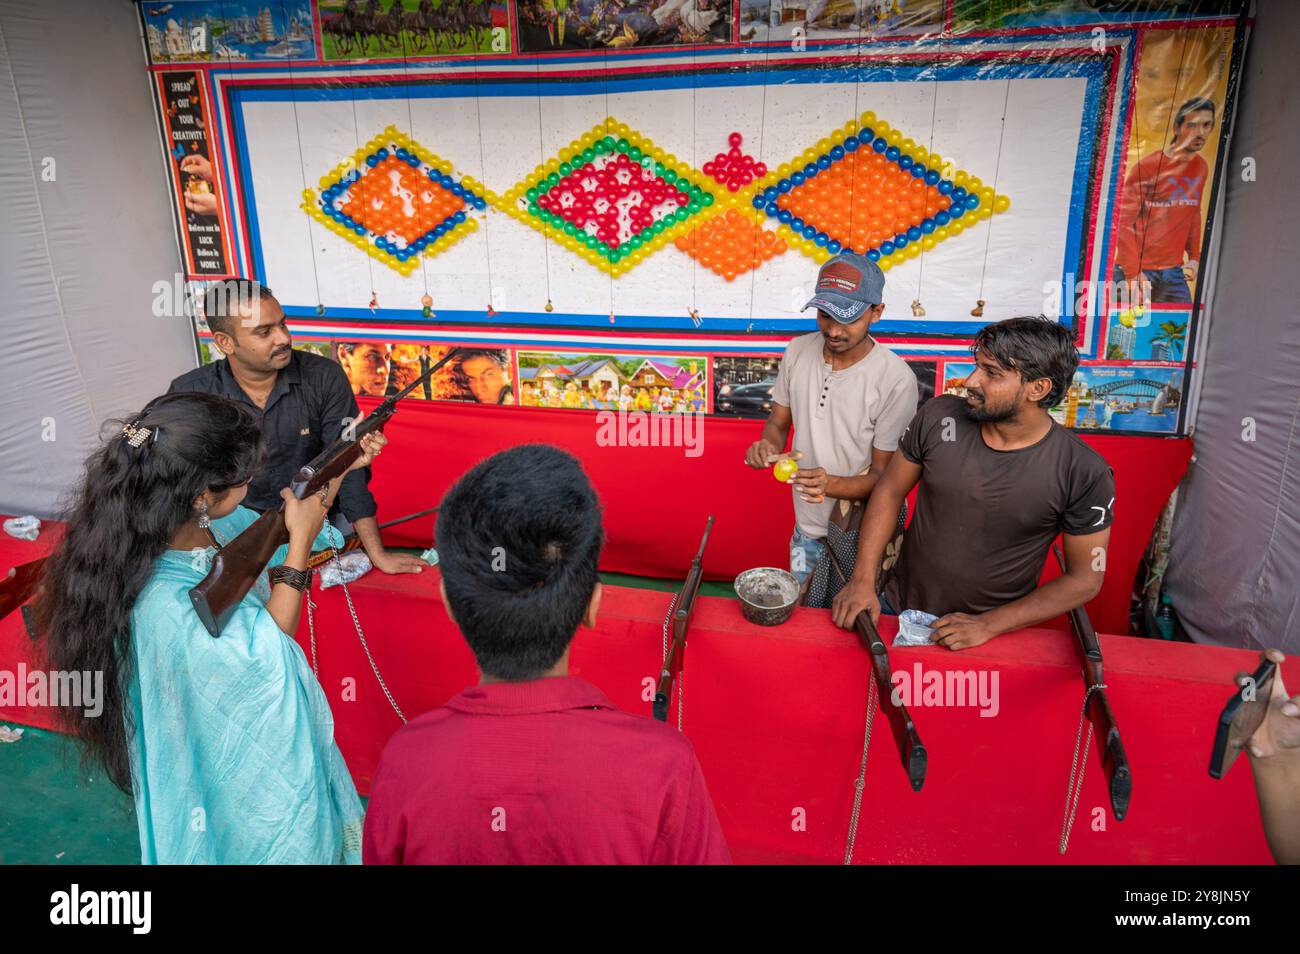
[299,579]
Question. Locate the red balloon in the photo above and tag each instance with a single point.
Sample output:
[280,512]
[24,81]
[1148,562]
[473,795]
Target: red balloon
[735,139]
[760,169]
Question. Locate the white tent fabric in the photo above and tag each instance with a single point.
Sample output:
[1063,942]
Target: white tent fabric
[86,232]
[1234,574]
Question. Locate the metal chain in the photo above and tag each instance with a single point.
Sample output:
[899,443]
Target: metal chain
[861,783]
[356,622]
[1072,793]
[668,617]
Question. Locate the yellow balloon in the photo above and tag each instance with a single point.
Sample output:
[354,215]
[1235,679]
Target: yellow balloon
[823,145]
[956,228]
[1001,203]
[986,195]
[325,182]
[552,165]
[912,250]
[961,178]
[783,170]
[983,212]
[941,233]
[883,128]
[908,146]
[928,242]
[868,119]
[850,128]
[885,263]
[621,131]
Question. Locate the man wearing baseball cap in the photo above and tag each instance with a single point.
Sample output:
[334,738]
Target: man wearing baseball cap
[848,398]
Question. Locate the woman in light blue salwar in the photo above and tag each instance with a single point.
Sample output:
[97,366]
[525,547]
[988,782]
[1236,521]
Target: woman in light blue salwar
[233,758]
[227,743]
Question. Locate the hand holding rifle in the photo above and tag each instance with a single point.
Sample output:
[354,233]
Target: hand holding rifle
[237,565]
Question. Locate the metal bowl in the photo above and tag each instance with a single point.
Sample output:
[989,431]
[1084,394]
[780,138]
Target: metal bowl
[767,595]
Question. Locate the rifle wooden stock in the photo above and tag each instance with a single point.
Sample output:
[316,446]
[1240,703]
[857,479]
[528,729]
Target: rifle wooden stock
[910,748]
[1110,747]
[237,565]
[19,584]
[681,622]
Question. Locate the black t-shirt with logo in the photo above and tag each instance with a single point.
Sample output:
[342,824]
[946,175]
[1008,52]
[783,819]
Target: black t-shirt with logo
[985,518]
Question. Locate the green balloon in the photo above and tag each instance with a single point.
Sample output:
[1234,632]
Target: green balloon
[634,154]
[565,168]
[622,145]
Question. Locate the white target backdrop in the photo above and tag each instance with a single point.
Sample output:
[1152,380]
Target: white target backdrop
[498,138]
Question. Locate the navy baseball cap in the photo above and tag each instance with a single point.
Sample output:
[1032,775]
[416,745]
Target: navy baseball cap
[847,286]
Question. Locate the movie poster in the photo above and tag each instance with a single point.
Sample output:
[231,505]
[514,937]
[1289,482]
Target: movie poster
[195,184]
[548,25]
[381,368]
[1173,146]
[371,29]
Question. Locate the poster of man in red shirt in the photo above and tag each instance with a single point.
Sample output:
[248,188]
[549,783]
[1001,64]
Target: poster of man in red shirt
[1159,222]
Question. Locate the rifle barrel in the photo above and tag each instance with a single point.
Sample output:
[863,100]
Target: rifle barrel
[911,750]
[1110,747]
[681,620]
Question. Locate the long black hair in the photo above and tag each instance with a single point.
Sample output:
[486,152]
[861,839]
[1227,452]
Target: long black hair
[131,502]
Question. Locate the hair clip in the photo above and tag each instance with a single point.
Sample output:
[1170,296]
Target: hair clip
[135,434]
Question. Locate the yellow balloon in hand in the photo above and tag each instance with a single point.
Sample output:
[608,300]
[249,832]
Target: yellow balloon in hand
[784,469]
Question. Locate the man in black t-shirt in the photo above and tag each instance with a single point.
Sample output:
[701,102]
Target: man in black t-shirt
[999,480]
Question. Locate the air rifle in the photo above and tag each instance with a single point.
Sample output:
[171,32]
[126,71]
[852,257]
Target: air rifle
[352,541]
[910,747]
[237,565]
[1110,748]
[685,605]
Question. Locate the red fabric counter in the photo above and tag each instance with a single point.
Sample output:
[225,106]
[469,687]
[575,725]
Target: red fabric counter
[656,499]
[777,717]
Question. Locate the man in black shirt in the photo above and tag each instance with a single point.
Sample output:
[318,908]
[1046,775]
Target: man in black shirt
[303,399]
[999,480]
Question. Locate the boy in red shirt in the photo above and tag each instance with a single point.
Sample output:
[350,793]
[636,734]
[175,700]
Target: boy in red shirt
[1158,235]
[532,765]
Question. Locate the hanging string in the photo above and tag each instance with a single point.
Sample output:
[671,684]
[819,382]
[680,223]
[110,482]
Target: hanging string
[356,138]
[482,160]
[541,162]
[762,128]
[610,273]
[997,167]
[934,111]
[410,132]
[302,167]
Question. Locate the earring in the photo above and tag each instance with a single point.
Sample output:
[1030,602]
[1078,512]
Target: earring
[204,522]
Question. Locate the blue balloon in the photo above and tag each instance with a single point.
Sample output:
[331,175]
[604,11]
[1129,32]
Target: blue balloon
[796,223]
[772,209]
[784,216]
[797,178]
[957,210]
[757,202]
[958,193]
[851,144]
[837,153]
[918,172]
[900,241]
[459,216]
[886,248]
[873,254]
[382,153]
[972,201]
[927,226]
[770,194]
[945,187]
[879,144]
[808,232]
[892,153]
[413,161]
[932,177]
[865,136]
[824,162]
[372,161]
[906,162]
[819,238]
[402,153]
[810,170]
[360,230]
[834,247]
[784,186]
[914,234]
[942,218]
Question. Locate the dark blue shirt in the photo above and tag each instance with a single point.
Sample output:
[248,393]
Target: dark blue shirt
[307,410]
